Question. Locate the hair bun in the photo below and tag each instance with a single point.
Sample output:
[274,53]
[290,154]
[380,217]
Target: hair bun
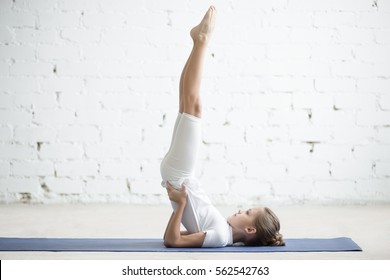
[278,240]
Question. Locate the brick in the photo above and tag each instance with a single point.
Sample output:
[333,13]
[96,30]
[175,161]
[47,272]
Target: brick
[71,100]
[308,68]
[250,187]
[289,19]
[292,51]
[17,19]
[101,117]
[4,169]
[334,19]
[59,84]
[79,133]
[15,117]
[352,35]
[50,20]
[54,53]
[92,52]
[296,84]
[242,153]
[122,134]
[101,151]
[384,102]
[372,53]
[331,52]
[20,185]
[5,35]
[333,118]
[223,134]
[383,135]
[372,117]
[106,84]
[332,5]
[311,100]
[353,135]
[124,168]
[64,185]
[17,52]
[32,168]
[123,36]
[374,189]
[355,101]
[311,36]
[281,101]
[336,190]
[148,187]
[34,134]
[283,152]
[268,133]
[214,186]
[54,116]
[288,190]
[33,36]
[310,133]
[304,169]
[330,152]
[76,5]
[81,37]
[265,170]
[382,168]
[373,85]
[18,84]
[124,100]
[31,69]
[351,169]
[288,117]
[248,118]
[76,168]
[60,151]
[103,20]
[5,134]
[336,85]
[106,187]
[372,152]
[36,101]
[373,20]
[381,36]
[75,69]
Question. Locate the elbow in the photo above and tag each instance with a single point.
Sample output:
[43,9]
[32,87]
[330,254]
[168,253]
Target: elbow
[167,243]
[170,243]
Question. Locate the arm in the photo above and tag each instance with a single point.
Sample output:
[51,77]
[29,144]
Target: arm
[173,237]
[182,232]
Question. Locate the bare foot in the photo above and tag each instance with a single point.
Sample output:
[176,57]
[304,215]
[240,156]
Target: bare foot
[202,32]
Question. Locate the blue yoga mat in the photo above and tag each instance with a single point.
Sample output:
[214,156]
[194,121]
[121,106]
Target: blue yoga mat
[156,245]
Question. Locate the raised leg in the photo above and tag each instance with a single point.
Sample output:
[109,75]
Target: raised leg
[190,80]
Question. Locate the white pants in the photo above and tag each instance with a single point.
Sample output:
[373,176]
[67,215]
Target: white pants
[180,161]
[178,165]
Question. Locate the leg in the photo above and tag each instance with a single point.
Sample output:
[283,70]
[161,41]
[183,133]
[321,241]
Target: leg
[190,79]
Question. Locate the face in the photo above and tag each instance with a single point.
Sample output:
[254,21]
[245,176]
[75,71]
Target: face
[244,219]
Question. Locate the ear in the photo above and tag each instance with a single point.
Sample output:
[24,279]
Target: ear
[250,230]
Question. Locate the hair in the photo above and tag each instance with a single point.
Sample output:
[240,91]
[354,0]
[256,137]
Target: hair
[267,230]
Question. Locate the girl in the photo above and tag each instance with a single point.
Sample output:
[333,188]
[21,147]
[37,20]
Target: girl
[205,226]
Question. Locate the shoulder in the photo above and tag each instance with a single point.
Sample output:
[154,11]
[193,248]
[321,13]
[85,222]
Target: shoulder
[216,238]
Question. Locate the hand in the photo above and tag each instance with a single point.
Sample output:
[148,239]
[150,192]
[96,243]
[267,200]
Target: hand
[177,196]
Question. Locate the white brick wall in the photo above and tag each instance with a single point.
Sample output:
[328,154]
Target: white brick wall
[296,100]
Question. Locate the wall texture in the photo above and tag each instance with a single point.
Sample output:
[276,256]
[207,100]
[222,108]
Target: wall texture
[296,99]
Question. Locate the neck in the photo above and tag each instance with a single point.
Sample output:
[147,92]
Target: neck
[238,235]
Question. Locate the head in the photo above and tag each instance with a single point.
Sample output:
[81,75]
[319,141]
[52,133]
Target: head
[258,227]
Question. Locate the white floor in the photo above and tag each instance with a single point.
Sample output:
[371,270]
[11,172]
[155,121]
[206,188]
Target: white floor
[368,226]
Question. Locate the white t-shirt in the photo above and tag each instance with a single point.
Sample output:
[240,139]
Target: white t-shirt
[200,215]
